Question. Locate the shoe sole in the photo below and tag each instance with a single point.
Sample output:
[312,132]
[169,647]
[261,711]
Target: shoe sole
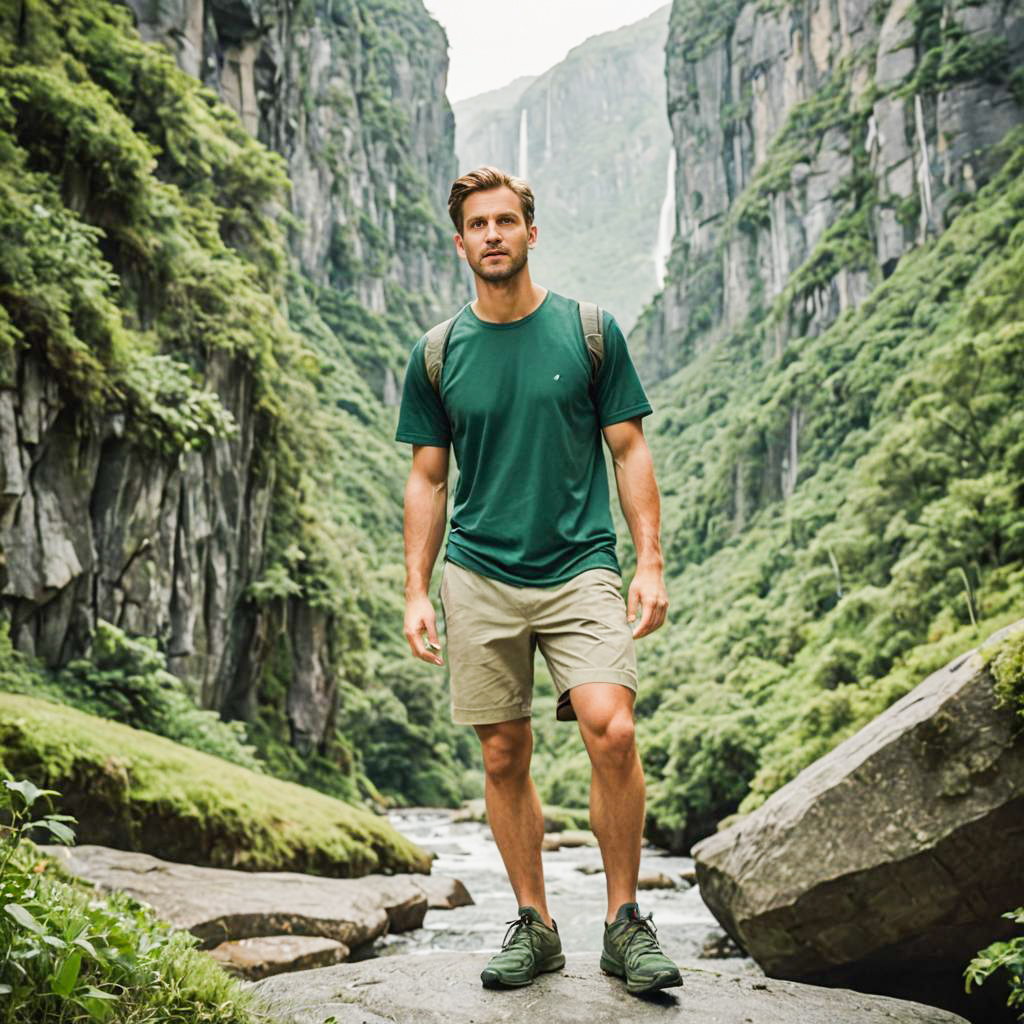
[667,979]
[491,979]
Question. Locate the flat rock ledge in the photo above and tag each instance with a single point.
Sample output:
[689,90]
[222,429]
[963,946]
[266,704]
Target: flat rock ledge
[218,905]
[445,988]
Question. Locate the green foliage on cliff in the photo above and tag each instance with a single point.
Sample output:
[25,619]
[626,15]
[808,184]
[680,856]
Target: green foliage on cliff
[144,262]
[137,791]
[794,621]
[126,679]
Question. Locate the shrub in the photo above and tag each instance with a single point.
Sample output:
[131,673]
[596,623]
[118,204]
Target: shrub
[1008,956]
[69,956]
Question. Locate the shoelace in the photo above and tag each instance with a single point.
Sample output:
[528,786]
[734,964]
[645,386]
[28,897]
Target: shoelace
[522,921]
[642,930]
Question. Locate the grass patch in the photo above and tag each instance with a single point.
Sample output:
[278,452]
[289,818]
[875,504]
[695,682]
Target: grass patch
[136,791]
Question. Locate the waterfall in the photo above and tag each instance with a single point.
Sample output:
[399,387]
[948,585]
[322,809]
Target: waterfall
[547,125]
[666,222]
[522,143]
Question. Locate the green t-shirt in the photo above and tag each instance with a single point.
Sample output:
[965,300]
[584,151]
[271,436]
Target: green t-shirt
[531,502]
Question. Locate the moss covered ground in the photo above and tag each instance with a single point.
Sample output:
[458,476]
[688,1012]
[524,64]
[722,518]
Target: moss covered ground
[134,790]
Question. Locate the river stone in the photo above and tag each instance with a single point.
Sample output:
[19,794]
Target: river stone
[261,957]
[219,905]
[893,856]
[442,893]
[444,988]
[655,880]
[569,839]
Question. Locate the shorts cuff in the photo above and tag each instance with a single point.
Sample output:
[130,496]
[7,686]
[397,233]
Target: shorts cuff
[489,716]
[599,675]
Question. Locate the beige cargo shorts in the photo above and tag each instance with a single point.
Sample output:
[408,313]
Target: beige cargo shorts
[494,628]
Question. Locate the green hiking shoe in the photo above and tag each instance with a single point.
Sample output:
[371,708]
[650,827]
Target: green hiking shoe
[631,951]
[529,948]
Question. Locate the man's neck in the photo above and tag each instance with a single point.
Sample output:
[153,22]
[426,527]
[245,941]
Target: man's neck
[501,302]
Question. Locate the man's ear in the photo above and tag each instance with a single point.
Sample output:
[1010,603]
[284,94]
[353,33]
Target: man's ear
[459,247]
[532,236]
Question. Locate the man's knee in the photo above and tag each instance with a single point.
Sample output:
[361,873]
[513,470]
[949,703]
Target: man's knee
[612,740]
[506,749]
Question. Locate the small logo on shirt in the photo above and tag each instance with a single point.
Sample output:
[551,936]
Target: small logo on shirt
[556,376]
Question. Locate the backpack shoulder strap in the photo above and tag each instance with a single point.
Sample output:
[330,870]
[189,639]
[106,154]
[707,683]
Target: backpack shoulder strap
[592,321]
[436,348]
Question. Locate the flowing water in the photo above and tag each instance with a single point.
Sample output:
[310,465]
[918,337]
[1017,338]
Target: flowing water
[666,221]
[523,141]
[576,899]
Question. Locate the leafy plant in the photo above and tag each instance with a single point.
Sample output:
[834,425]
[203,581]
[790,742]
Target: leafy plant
[69,956]
[1008,956]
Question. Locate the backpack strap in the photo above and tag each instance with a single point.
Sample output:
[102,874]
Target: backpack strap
[592,321]
[436,348]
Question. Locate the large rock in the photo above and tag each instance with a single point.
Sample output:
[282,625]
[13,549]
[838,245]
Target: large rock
[894,854]
[217,905]
[445,988]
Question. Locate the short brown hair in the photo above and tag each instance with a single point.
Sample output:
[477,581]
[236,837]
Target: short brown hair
[481,180]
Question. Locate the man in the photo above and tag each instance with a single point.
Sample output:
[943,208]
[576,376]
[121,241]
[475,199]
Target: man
[531,562]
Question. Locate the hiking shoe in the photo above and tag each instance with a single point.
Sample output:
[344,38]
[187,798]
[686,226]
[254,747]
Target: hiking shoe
[631,951]
[529,948]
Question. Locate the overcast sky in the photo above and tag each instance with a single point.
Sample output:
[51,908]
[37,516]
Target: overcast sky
[489,44]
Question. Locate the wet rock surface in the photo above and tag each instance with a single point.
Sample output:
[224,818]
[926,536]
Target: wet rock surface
[445,987]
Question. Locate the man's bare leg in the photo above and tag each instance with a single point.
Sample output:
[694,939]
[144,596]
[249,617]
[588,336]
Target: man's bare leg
[513,808]
[605,715]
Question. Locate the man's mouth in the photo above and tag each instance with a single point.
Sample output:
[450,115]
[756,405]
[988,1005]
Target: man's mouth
[495,253]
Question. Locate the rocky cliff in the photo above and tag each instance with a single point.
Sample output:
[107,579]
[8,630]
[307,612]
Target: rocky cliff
[590,135]
[271,320]
[818,141]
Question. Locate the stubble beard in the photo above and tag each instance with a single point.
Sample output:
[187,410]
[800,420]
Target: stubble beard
[516,263]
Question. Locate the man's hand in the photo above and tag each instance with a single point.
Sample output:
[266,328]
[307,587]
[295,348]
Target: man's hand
[420,619]
[647,590]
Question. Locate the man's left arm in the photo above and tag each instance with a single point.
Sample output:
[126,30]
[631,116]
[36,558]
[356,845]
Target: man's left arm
[638,496]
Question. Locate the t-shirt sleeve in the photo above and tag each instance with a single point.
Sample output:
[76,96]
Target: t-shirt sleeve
[620,395]
[421,416]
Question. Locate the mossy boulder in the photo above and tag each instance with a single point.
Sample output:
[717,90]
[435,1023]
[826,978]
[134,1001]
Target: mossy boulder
[136,791]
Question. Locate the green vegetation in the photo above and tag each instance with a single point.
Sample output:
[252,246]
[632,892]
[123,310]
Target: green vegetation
[901,546]
[144,263]
[138,791]
[1002,956]
[796,619]
[71,955]
[1006,663]
[127,680]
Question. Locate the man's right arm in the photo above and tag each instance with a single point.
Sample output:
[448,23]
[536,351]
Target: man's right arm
[426,512]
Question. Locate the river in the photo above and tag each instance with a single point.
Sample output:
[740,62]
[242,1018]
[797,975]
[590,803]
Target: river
[576,898]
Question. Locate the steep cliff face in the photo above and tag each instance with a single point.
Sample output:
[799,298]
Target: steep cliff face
[818,141]
[590,136]
[195,422]
[353,96]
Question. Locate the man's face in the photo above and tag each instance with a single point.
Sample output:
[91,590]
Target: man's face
[495,239]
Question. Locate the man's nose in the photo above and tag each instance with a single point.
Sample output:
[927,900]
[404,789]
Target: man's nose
[492,230]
